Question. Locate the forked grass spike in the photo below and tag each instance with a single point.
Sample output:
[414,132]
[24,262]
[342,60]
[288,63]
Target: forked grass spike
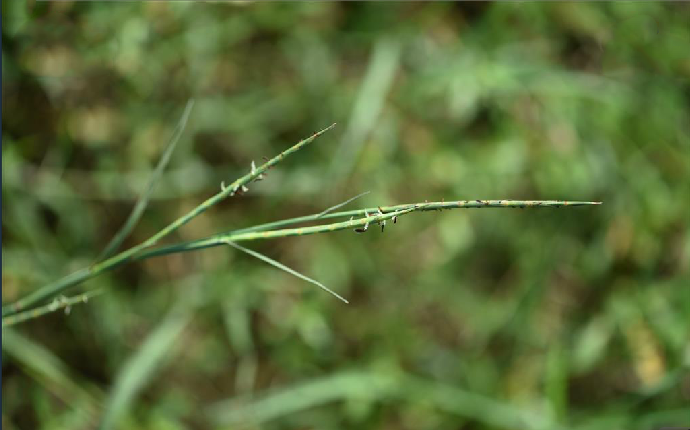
[80,276]
[428,206]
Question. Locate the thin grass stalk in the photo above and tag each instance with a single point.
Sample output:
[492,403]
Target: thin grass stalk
[266,231]
[143,200]
[57,304]
[427,206]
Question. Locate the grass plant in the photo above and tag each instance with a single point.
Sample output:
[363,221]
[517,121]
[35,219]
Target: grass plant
[29,307]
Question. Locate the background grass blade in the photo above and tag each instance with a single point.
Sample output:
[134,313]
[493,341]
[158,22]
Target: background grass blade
[367,109]
[280,266]
[279,403]
[143,200]
[51,373]
[375,387]
[143,365]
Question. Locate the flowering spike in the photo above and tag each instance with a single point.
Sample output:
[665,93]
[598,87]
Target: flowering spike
[260,176]
[363,229]
[366,226]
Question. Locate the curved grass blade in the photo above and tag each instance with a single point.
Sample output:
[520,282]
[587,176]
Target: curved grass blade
[340,205]
[375,387]
[142,366]
[57,304]
[281,266]
[317,392]
[41,364]
[143,200]
[379,77]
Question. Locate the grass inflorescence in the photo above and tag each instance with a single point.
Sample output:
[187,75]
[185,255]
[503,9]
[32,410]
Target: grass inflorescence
[359,221]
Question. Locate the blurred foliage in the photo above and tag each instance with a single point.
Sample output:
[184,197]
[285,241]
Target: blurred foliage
[575,318]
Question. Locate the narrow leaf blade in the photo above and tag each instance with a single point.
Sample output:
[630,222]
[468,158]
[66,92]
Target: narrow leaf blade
[340,205]
[143,200]
[281,266]
[141,367]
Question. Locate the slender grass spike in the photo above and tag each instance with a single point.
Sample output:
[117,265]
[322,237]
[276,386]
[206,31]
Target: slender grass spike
[271,230]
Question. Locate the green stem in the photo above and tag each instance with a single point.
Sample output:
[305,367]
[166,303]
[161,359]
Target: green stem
[265,231]
[225,192]
[239,236]
[430,206]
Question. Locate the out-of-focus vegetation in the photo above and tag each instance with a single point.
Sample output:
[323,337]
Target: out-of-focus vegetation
[575,318]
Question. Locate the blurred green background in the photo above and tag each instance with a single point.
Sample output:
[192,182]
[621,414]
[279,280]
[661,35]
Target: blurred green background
[575,318]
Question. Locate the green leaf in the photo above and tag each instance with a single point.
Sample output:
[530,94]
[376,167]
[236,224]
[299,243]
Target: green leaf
[280,266]
[143,201]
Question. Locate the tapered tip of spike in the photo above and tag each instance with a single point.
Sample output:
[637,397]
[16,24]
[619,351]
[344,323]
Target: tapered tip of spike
[319,133]
[328,128]
[569,203]
[337,296]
